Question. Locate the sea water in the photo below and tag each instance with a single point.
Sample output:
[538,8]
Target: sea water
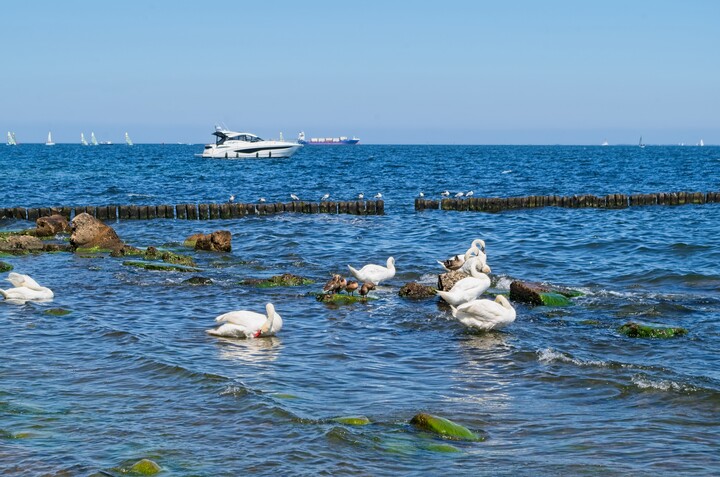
[130,372]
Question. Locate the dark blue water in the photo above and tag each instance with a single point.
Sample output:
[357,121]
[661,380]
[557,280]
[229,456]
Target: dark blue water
[131,373]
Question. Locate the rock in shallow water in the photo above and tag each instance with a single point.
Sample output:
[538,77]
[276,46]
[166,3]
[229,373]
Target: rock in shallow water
[145,467]
[636,330]
[443,427]
[416,291]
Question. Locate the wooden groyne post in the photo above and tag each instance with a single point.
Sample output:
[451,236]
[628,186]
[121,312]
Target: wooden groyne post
[610,201]
[211,211]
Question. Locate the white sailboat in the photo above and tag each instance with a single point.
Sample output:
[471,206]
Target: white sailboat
[11,139]
[93,141]
[701,143]
[127,140]
[641,143]
[82,139]
[49,140]
[604,143]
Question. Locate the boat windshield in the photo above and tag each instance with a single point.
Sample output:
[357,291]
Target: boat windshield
[221,138]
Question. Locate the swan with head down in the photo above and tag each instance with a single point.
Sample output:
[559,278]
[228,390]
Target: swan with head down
[25,289]
[467,289]
[456,262]
[248,324]
[475,257]
[485,314]
[375,273]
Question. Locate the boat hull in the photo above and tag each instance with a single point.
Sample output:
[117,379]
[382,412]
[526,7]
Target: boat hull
[230,151]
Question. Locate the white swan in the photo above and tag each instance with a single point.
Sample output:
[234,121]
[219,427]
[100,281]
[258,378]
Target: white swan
[467,289]
[375,273]
[26,289]
[20,280]
[476,255]
[248,324]
[456,262]
[485,314]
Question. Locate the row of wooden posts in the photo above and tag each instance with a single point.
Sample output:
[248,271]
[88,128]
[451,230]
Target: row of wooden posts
[198,211]
[610,201]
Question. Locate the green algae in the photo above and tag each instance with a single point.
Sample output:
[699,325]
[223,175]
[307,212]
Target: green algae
[341,299]
[145,467]
[5,267]
[554,299]
[636,330]
[57,312]
[284,280]
[445,428]
[441,447]
[163,267]
[284,396]
[352,420]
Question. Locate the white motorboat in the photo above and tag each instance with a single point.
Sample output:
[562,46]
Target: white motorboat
[235,145]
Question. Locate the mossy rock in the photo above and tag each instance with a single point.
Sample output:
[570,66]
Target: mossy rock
[163,267]
[636,330]
[198,281]
[445,428]
[145,467]
[152,253]
[341,299]
[284,396]
[91,250]
[554,299]
[5,267]
[352,420]
[441,447]
[57,312]
[284,280]
[416,291]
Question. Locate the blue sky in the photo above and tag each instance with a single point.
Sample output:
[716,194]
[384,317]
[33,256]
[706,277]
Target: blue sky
[456,72]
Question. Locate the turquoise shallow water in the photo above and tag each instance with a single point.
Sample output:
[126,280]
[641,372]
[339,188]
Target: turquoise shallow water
[131,373]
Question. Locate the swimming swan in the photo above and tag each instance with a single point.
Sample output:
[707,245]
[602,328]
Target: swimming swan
[375,273]
[485,314]
[467,289]
[248,324]
[26,289]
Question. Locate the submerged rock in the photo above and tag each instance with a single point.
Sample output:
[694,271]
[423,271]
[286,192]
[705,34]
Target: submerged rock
[218,241]
[89,232]
[198,281]
[537,294]
[636,330]
[145,467]
[341,299]
[443,427]
[5,267]
[284,280]
[51,225]
[352,420]
[416,291]
[163,267]
[57,312]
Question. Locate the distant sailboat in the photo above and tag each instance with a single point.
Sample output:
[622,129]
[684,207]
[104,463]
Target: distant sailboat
[604,143]
[49,140]
[93,141]
[11,139]
[127,140]
[82,139]
[701,143]
[641,143]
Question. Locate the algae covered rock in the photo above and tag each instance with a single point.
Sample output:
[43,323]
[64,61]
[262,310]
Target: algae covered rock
[5,267]
[340,298]
[145,467]
[537,294]
[416,291]
[445,428]
[352,420]
[57,312]
[636,330]
[198,281]
[162,267]
[284,280]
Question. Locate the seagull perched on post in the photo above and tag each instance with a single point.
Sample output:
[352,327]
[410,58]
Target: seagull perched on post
[458,195]
[469,194]
[261,199]
[361,196]
[378,195]
[421,194]
[232,198]
[294,197]
[445,193]
[325,197]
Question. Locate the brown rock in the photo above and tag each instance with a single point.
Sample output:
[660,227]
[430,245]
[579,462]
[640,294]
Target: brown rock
[51,225]
[89,232]
[527,292]
[21,243]
[447,280]
[218,241]
[416,291]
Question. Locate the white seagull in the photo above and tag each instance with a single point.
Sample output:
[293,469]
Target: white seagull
[459,194]
[232,198]
[294,197]
[421,194]
[325,197]
[248,324]
[361,196]
[485,314]
[469,194]
[445,193]
[378,195]
[375,273]
[261,199]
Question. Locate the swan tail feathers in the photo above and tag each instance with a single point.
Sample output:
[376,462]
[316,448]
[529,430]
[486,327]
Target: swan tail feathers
[3,293]
[354,272]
